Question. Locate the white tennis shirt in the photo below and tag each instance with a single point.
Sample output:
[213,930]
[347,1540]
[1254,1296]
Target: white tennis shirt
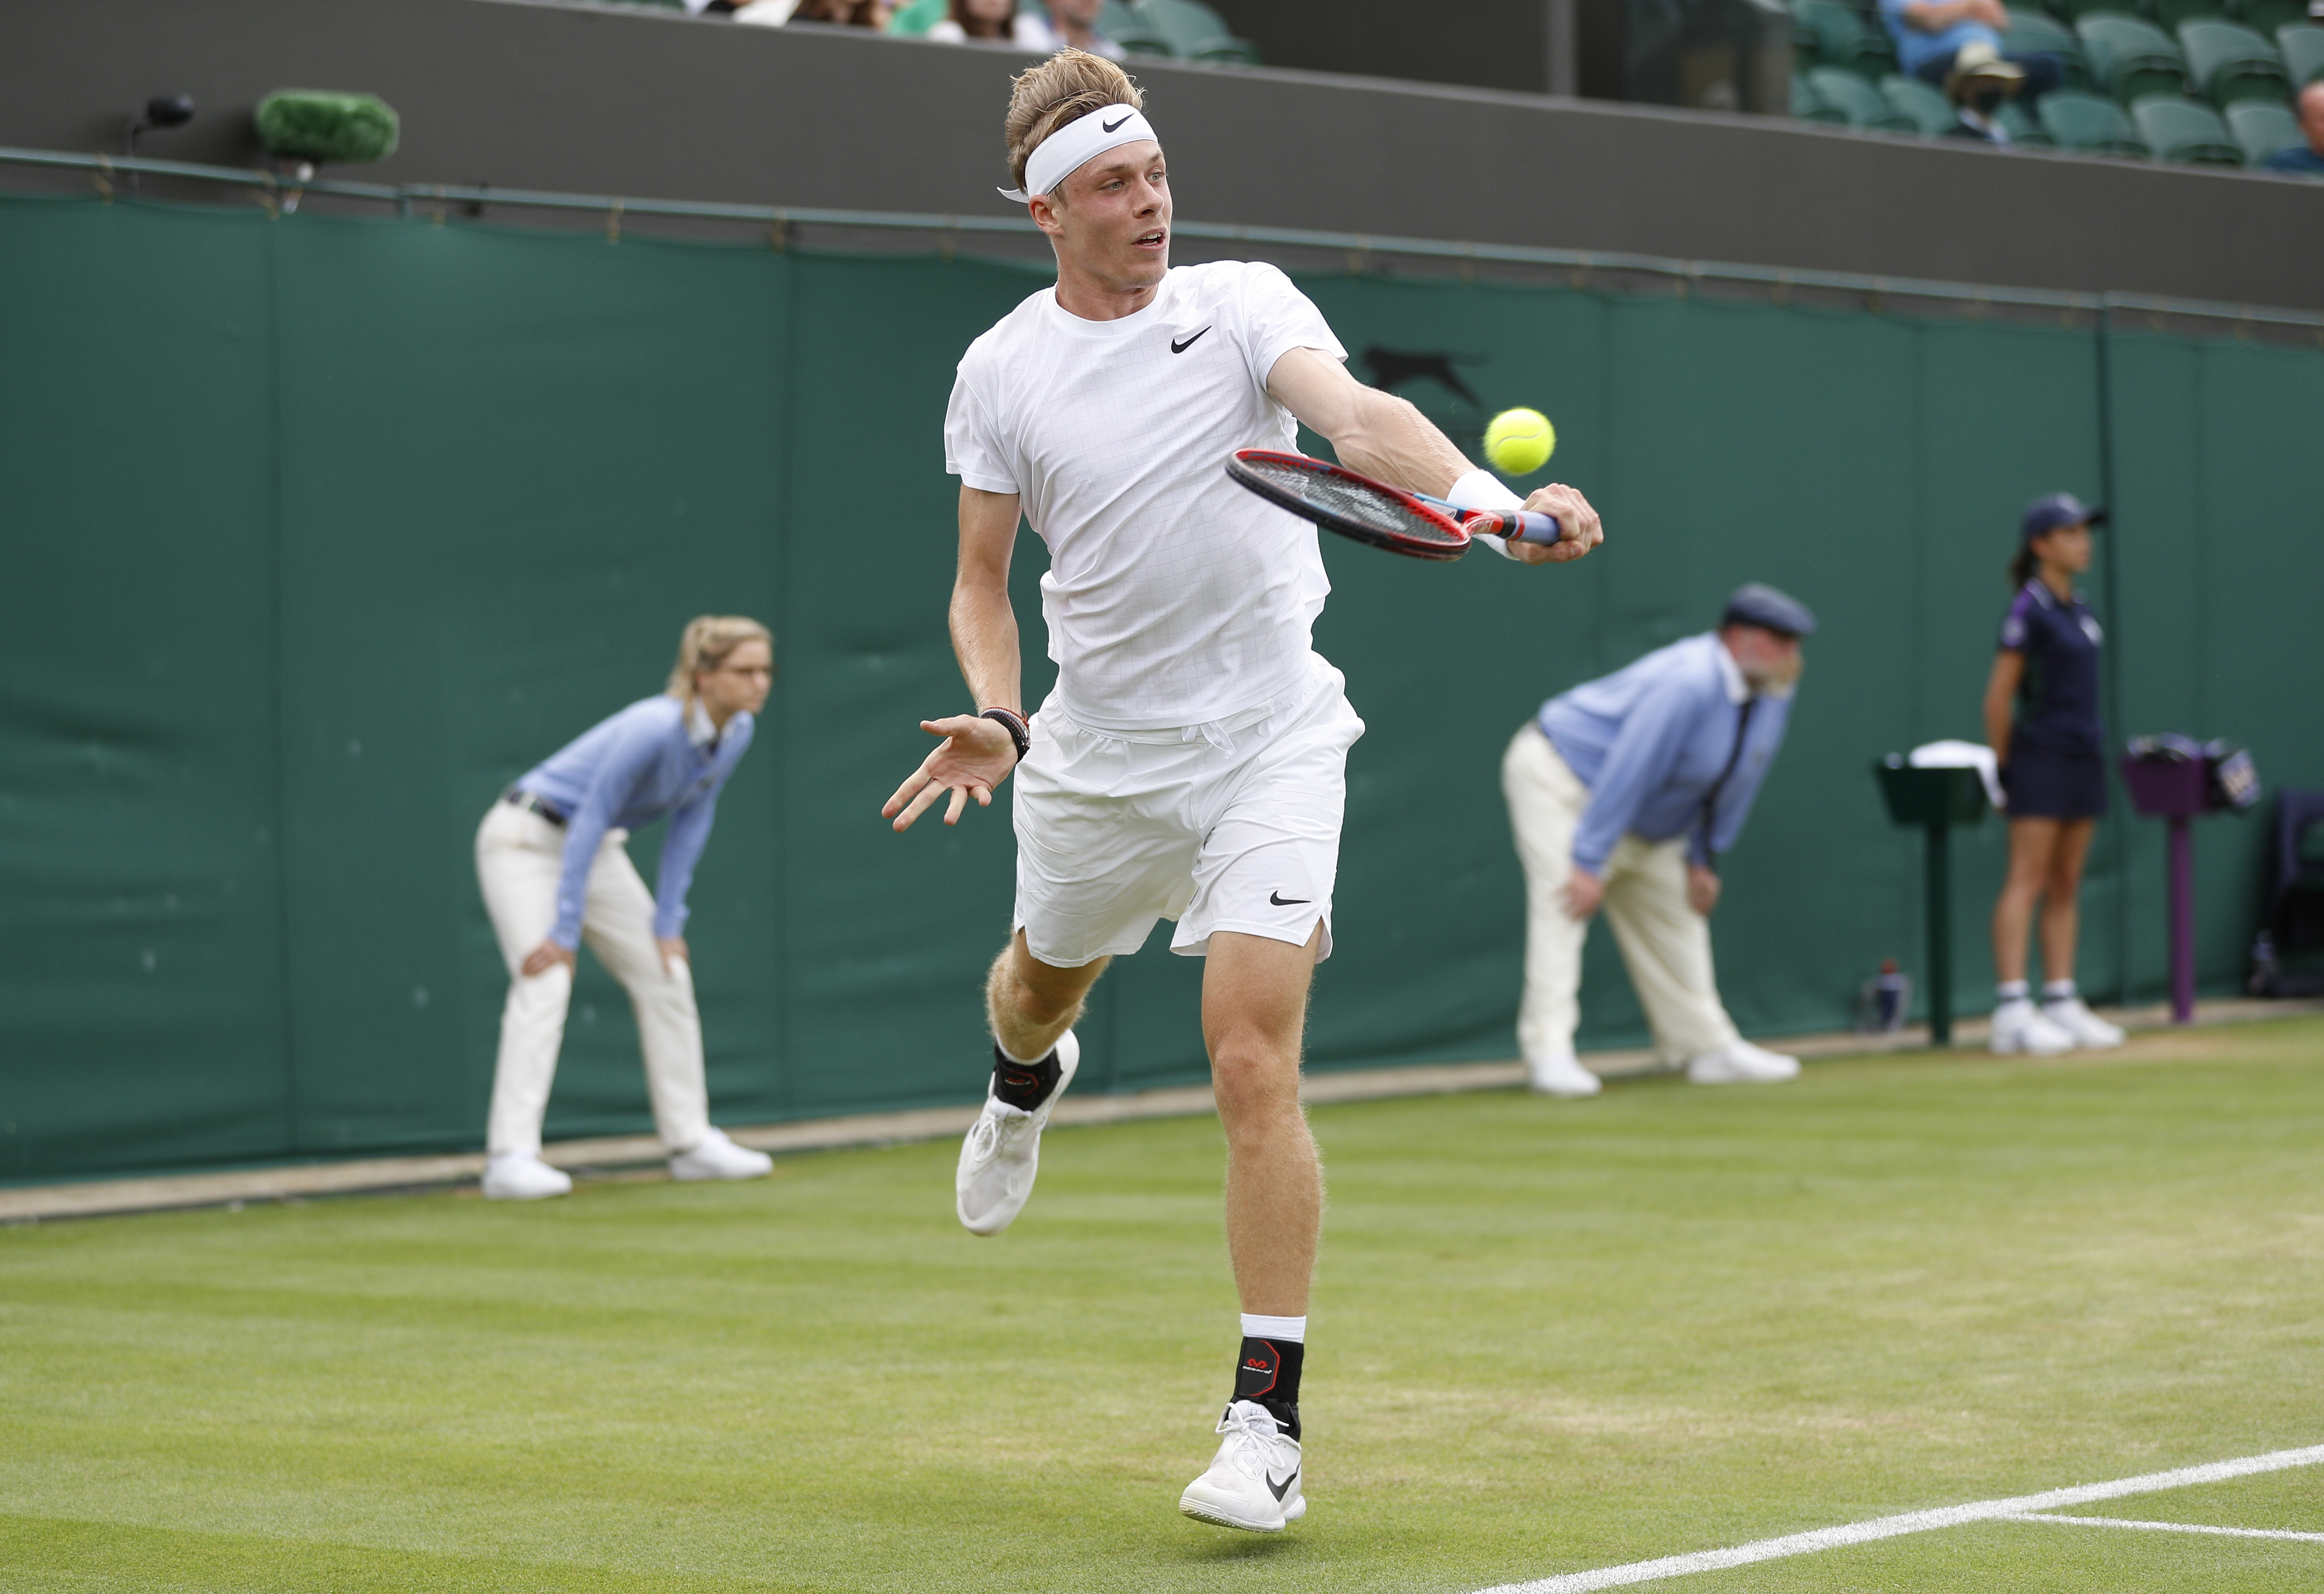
[1174,597]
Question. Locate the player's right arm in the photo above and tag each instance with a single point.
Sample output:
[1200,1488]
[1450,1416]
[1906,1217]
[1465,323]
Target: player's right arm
[976,755]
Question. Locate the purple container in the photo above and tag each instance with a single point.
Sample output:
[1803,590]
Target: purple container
[2167,788]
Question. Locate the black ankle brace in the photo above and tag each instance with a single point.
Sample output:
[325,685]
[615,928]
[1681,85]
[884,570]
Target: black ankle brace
[1268,1372]
[1024,1085]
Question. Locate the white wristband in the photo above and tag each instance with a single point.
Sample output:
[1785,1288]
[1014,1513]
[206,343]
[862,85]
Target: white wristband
[1484,490]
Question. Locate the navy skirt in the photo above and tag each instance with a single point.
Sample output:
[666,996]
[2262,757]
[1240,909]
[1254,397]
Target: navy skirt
[2046,785]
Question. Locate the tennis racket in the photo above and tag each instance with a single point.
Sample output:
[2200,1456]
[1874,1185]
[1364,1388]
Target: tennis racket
[1409,523]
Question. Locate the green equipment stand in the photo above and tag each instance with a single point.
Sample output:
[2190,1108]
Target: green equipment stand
[1936,800]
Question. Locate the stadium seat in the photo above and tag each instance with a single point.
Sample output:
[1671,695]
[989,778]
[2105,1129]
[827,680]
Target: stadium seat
[1857,101]
[2303,52]
[2018,122]
[913,19]
[1195,32]
[2130,59]
[2262,129]
[1807,107]
[2266,17]
[2230,63]
[1927,110]
[2037,31]
[2087,122]
[2184,130]
[1838,35]
[2167,14]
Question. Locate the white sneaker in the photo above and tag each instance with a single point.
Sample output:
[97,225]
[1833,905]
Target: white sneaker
[1559,1076]
[1253,1483]
[718,1157]
[2018,1026]
[2073,1016]
[1740,1062]
[1003,1150]
[520,1176]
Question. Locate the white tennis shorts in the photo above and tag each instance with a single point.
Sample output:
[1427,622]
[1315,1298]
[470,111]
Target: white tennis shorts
[1233,825]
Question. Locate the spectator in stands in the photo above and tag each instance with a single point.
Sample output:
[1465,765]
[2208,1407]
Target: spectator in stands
[844,13]
[992,21]
[2306,159]
[1624,792]
[1066,23]
[1956,44]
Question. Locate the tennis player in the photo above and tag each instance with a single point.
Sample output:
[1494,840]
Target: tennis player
[550,860]
[1190,764]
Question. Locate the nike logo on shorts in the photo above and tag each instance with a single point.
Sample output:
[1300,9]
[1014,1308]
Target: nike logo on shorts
[1280,900]
[1179,348]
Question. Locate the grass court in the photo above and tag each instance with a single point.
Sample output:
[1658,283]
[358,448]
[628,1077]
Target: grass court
[1548,1337]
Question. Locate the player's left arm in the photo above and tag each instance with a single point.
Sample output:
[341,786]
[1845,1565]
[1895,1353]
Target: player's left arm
[1386,437]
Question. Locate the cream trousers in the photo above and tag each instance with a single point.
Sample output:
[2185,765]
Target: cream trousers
[1665,944]
[520,857]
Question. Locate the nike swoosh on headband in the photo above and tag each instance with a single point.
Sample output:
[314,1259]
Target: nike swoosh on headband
[1110,127]
[1077,142]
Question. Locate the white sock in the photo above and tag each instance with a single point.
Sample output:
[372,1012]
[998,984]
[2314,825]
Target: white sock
[2012,991]
[1290,1330]
[2057,991]
[1020,1062]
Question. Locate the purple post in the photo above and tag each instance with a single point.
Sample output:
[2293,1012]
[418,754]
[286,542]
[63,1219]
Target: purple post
[2182,919]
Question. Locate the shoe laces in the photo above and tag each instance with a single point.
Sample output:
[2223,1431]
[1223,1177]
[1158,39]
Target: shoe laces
[1251,1435]
[996,1132]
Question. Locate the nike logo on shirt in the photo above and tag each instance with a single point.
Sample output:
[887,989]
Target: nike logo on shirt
[1179,348]
[1280,900]
[1280,1489]
[1110,127]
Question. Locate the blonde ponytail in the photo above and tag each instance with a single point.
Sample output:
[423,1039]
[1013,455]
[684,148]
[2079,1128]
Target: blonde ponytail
[708,640]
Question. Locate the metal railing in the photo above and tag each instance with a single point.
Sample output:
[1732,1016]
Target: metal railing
[279,193]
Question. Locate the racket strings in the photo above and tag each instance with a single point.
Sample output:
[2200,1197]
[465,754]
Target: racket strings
[1352,500]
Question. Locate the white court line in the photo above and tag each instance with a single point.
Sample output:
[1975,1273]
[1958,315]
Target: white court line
[1911,1522]
[2169,1527]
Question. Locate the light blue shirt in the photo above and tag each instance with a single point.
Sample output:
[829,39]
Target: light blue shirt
[1914,48]
[629,771]
[1650,740]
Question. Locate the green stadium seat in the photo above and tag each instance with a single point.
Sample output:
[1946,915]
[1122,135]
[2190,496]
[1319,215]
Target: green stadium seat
[2030,32]
[913,19]
[1927,110]
[2184,130]
[1857,101]
[1807,107]
[2230,63]
[2130,59]
[2266,17]
[2167,14]
[2087,122]
[1195,32]
[2022,129]
[2262,129]
[2303,52]
[1839,35]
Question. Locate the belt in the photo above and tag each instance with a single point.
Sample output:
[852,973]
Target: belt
[518,798]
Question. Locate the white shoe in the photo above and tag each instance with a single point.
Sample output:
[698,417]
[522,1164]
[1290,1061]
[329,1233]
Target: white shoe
[1003,1150]
[718,1157]
[1253,1483]
[1740,1062]
[520,1176]
[2073,1016]
[2018,1026]
[1559,1076]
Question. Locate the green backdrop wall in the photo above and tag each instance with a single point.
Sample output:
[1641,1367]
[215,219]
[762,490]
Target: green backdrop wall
[319,532]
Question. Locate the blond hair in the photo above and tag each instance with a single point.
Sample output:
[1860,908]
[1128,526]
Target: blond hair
[1071,83]
[708,640]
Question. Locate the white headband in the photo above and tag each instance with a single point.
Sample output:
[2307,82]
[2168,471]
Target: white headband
[1077,142]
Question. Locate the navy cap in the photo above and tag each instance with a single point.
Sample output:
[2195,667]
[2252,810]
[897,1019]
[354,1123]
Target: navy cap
[2047,513]
[1756,603]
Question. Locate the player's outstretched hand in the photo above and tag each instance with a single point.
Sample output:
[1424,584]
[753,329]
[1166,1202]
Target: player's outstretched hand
[1583,529]
[975,756]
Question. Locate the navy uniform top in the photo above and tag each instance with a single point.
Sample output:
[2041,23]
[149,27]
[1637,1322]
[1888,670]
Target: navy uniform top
[2058,695]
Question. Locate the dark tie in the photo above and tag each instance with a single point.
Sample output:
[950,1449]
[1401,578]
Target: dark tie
[1734,757]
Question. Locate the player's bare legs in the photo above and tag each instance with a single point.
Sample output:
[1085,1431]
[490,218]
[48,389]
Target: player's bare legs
[1030,1003]
[1254,1014]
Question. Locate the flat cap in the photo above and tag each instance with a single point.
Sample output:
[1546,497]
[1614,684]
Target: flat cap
[2046,513]
[1756,604]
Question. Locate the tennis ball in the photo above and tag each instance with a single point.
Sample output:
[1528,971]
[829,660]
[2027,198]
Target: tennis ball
[1519,442]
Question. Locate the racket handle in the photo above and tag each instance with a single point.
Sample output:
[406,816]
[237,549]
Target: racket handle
[1518,525]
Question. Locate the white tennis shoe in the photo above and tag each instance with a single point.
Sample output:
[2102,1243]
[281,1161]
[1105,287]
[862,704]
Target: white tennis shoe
[1002,1152]
[718,1157]
[1253,1483]
[1740,1062]
[2073,1016]
[2018,1026]
[520,1176]
[1559,1076]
